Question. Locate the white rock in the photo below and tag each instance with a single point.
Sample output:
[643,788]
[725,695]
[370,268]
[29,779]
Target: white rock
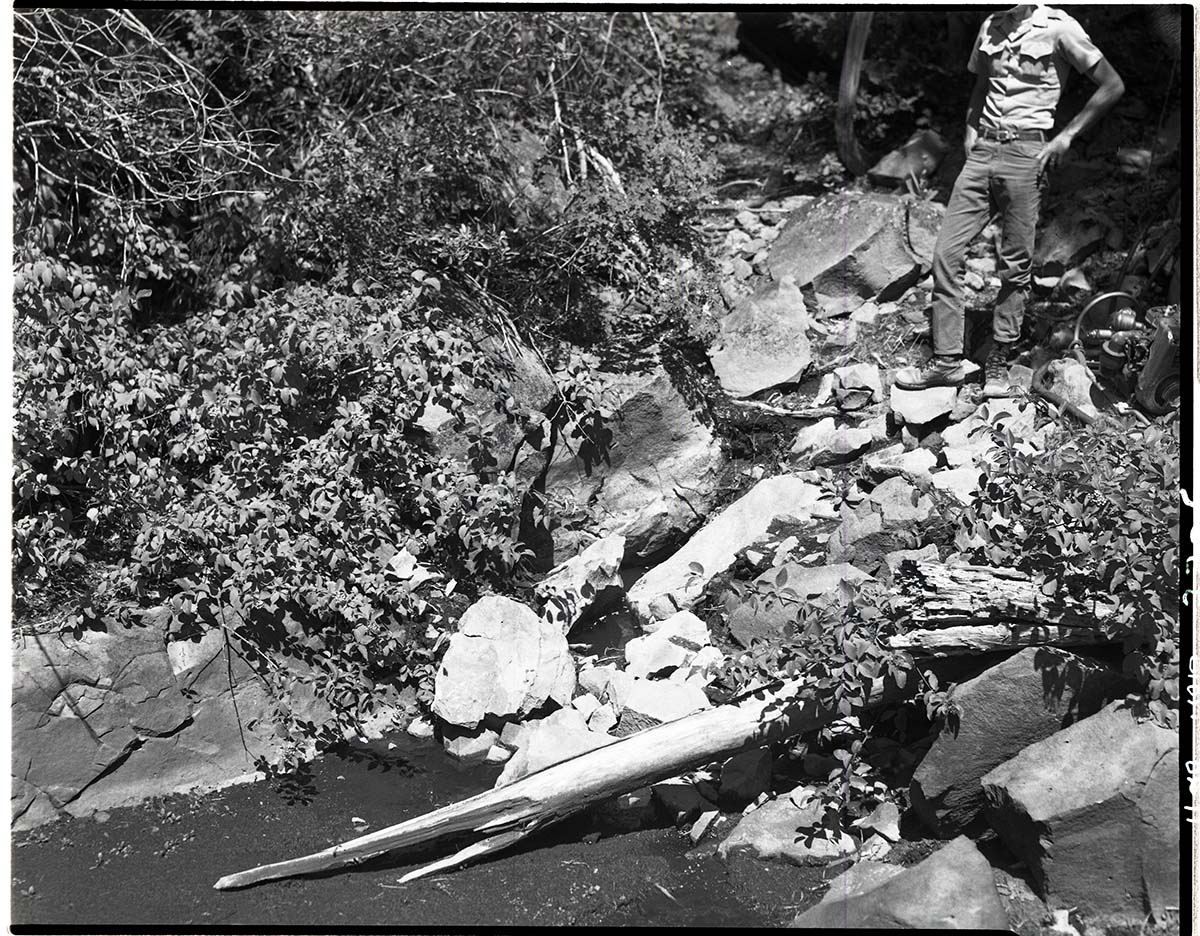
[585,704]
[421,727]
[894,497]
[961,482]
[548,744]
[676,584]
[497,754]
[505,661]
[603,720]
[571,587]
[894,460]
[470,747]
[827,443]
[660,701]
[921,406]
[776,831]
[763,342]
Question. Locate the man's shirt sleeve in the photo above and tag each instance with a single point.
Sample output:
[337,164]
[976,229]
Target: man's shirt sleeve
[974,62]
[1076,47]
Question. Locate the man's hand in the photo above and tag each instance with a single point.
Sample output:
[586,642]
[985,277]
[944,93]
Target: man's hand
[1052,153]
[969,140]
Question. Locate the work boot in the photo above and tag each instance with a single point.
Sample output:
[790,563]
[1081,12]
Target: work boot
[995,372]
[938,372]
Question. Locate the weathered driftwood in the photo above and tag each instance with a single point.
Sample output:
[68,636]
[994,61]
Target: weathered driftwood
[981,638]
[938,595]
[510,813]
[972,609]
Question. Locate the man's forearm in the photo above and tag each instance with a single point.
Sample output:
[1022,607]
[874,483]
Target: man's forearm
[1109,91]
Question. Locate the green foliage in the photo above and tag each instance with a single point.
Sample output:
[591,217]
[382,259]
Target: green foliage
[1096,518]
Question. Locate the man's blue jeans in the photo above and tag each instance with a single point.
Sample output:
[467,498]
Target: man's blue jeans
[1004,177]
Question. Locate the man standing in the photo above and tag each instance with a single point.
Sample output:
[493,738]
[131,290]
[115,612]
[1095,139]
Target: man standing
[1021,61]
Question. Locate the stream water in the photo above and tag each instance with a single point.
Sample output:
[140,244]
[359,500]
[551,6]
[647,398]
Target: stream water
[154,864]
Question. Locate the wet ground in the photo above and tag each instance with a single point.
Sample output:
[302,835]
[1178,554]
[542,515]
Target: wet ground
[154,865]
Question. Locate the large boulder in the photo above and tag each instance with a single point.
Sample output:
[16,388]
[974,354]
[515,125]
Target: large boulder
[1005,708]
[1069,238]
[1093,811]
[663,474]
[655,701]
[764,619]
[763,342]
[677,583]
[853,247]
[951,889]
[109,719]
[505,661]
[573,586]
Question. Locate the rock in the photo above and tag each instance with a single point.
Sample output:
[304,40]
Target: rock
[505,661]
[982,265]
[674,643]
[849,383]
[1093,811]
[664,471]
[680,799]
[883,819]
[106,720]
[1073,382]
[678,582]
[925,554]
[852,247]
[1072,286]
[743,777]
[421,728]
[781,830]
[1069,238]
[961,482]
[702,669]
[585,704]
[547,744]
[840,334]
[652,702]
[766,619]
[973,280]
[895,500]
[1026,698]
[532,388]
[859,878]
[763,342]
[922,406]
[856,525]
[702,824]
[827,443]
[917,160]
[497,754]
[951,889]
[574,585]
[603,720]
[470,747]
[894,461]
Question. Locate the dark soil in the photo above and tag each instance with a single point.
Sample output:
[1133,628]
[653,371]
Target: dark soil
[154,865]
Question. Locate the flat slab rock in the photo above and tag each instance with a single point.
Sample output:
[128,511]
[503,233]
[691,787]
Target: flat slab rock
[770,833]
[676,584]
[1024,699]
[918,407]
[1093,811]
[504,660]
[765,619]
[763,342]
[951,889]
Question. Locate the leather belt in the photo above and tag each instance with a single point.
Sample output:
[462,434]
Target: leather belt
[1007,136]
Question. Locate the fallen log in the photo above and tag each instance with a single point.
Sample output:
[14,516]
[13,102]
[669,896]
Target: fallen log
[508,814]
[934,595]
[983,638]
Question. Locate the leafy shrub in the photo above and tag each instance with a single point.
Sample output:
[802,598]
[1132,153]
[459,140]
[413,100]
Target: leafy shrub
[1096,517]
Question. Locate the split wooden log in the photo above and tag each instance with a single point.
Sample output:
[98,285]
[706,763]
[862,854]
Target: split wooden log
[510,813]
[973,609]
